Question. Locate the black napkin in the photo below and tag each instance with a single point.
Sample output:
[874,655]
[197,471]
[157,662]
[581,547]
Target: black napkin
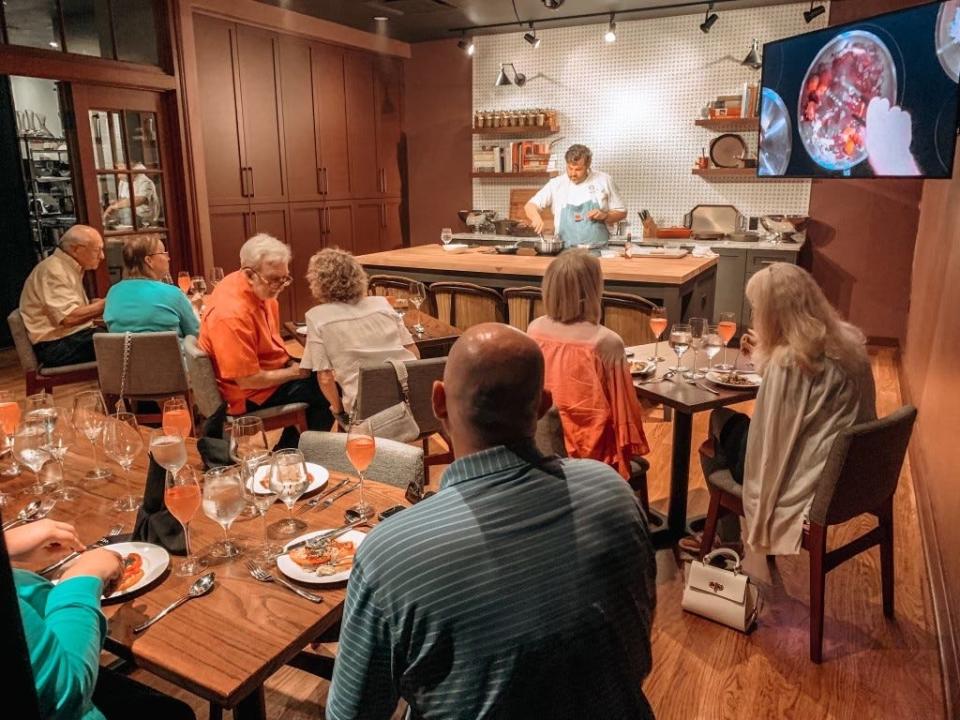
[154,523]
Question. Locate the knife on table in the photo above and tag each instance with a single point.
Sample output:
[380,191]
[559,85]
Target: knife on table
[313,502]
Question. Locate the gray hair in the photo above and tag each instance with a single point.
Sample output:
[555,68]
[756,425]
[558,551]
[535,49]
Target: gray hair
[75,236]
[576,153]
[263,248]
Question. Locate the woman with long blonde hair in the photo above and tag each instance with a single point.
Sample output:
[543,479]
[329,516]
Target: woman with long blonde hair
[816,382]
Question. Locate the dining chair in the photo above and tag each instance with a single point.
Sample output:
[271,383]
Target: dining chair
[394,463]
[464,304]
[36,377]
[628,316]
[155,370]
[207,399]
[523,305]
[549,440]
[860,477]
[398,286]
[378,389]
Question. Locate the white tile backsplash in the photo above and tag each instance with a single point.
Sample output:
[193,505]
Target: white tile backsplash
[634,102]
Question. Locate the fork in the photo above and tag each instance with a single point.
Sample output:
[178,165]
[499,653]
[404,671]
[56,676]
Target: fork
[258,573]
[105,540]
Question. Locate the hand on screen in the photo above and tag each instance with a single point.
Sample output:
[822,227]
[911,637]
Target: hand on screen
[888,137]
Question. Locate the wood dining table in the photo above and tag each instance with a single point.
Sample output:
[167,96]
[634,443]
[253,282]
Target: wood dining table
[685,399]
[224,645]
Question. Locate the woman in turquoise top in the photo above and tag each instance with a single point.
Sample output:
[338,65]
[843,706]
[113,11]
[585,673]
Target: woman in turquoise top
[64,631]
[143,302]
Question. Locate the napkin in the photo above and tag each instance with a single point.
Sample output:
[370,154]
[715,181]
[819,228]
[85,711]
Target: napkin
[154,523]
[703,251]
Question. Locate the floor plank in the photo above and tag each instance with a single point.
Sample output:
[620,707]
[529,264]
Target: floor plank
[873,668]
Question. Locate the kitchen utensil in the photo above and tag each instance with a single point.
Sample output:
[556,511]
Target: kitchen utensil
[313,502]
[333,497]
[201,586]
[317,541]
[784,226]
[25,515]
[717,219]
[544,245]
[259,573]
[727,149]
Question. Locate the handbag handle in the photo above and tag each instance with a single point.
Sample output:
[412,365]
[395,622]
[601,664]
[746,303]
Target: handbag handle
[724,552]
[127,342]
[401,370]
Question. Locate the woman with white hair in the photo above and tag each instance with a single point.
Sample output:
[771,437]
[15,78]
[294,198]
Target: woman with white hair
[817,381]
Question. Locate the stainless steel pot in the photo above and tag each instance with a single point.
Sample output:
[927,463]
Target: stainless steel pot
[544,245]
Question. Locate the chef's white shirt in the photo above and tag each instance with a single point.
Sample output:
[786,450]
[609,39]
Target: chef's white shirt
[562,191]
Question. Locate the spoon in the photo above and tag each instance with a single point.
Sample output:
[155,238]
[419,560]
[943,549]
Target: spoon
[201,586]
[26,515]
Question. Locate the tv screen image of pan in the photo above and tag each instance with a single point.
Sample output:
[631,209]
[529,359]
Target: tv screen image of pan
[872,98]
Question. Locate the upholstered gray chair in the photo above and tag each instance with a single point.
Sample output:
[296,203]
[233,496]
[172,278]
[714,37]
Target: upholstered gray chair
[155,369]
[208,400]
[394,463]
[860,477]
[37,377]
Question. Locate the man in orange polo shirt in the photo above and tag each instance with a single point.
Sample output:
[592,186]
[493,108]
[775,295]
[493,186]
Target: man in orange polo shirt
[241,333]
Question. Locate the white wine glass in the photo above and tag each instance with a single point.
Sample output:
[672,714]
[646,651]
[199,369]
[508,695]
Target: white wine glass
[446,235]
[168,450]
[698,328]
[658,323]
[247,443]
[264,495]
[361,448]
[712,345]
[679,341]
[40,408]
[223,501]
[28,445]
[289,479]
[216,277]
[181,495]
[417,298]
[122,443]
[89,417]
[59,440]
[727,327]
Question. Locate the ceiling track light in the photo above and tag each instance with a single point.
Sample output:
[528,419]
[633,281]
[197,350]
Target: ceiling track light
[519,79]
[752,60]
[611,34]
[813,13]
[531,37]
[466,44]
[709,19]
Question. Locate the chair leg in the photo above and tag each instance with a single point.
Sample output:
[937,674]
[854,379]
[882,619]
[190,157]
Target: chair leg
[216,712]
[710,525]
[885,517]
[638,483]
[817,545]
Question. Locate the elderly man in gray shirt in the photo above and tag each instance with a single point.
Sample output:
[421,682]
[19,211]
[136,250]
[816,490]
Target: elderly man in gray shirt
[524,588]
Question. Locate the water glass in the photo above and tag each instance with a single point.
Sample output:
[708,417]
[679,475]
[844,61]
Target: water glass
[247,442]
[168,450]
[712,344]
[263,495]
[361,448]
[181,495]
[89,417]
[289,479]
[223,501]
[698,328]
[680,341]
[29,441]
[122,443]
[59,440]
[446,235]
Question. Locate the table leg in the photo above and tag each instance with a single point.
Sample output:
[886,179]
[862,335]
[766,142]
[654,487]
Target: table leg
[679,473]
[252,707]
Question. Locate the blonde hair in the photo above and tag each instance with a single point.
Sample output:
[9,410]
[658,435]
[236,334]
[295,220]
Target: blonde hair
[136,249]
[795,323]
[336,276]
[572,288]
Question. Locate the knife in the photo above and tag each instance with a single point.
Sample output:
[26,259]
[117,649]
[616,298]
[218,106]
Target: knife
[313,502]
[318,540]
[333,498]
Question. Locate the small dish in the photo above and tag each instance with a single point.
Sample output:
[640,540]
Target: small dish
[455,248]
[642,367]
[506,249]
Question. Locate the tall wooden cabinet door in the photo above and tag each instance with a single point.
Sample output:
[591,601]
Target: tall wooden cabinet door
[261,108]
[307,228]
[388,84]
[230,226]
[340,226]
[391,234]
[330,111]
[272,219]
[299,131]
[368,223]
[361,131]
[218,82]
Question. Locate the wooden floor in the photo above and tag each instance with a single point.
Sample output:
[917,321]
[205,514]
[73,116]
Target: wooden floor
[873,668]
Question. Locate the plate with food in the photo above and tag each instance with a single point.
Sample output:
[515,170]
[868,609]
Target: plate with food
[330,563]
[735,380]
[142,564]
[259,483]
[642,367]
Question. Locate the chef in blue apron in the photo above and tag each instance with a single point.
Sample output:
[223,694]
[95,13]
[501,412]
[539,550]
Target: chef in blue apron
[583,202]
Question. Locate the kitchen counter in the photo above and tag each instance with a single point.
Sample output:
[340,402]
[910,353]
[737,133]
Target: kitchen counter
[492,239]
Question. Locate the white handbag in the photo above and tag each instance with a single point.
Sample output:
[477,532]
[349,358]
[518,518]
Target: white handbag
[396,422]
[722,595]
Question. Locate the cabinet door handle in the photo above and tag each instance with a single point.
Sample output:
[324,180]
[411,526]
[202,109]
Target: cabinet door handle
[320,181]
[383,215]
[329,222]
[243,181]
[326,182]
[253,187]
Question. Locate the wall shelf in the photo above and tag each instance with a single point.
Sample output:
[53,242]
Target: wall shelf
[735,124]
[523,131]
[509,175]
[741,173]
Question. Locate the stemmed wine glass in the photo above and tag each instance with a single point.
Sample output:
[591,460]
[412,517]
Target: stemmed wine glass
[417,298]
[361,447]
[658,323]
[40,408]
[199,284]
[248,446]
[184,281]
[264,494]
[446,235]
[122,443]
[181,495]
[59,441]
[223,501]
[176,417]
[727,328]
[679,341]
[289,479]
[712,344]
[9,419]
[216,276]
[698,328]
[28,443]
[168,450]
[89,417]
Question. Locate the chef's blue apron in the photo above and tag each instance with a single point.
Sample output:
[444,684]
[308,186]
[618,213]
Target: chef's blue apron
[577,229]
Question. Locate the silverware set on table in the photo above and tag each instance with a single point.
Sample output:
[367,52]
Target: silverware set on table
[105,540]
[34,510]
[329,496]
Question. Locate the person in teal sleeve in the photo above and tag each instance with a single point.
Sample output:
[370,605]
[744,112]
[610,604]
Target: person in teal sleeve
[143,302]
[65,629]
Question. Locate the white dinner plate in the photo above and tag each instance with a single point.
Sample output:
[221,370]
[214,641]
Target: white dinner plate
[293,571]
[642,367]
[155,560]
[455,248]
[752,380]
[301,329]
[318,473]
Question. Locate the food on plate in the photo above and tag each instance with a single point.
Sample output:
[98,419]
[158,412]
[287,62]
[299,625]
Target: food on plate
[335,552]
[732,378]
[132,572]
[265,480]
[639,367]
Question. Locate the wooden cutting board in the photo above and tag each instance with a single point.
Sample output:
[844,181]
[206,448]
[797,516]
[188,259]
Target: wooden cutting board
[520,197]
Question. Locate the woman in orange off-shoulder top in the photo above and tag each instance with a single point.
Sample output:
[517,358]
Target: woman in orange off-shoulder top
[586,366]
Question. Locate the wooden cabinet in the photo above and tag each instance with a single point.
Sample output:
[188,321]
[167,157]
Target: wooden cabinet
[330,113]
[301,145]
[230,226]
[362,130]
[377,225]
[388,95]
[391,234]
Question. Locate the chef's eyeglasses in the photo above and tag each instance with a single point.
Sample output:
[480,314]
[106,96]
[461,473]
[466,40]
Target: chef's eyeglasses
[271,282]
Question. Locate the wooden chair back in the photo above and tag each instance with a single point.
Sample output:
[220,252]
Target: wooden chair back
[464,304]
[398,286]
[523,305]
[628,316]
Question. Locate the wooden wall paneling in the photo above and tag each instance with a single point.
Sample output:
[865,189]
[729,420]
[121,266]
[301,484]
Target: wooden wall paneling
[219,111]
[388,94]
[391,234]
[330,113]
[273,219]
[307,233]
[361,129]
[261,111]
[230,226]
[368,224]
[300,140]
[341,228]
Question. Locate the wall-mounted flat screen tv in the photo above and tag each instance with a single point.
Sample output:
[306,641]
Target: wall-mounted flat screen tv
[873,98]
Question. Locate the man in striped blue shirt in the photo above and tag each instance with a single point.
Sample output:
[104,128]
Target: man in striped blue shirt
[523,589]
